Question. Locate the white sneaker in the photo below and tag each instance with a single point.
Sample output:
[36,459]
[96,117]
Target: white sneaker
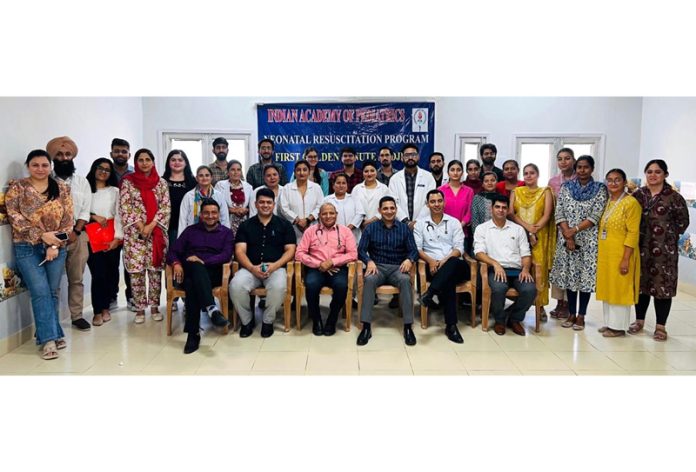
[157,316]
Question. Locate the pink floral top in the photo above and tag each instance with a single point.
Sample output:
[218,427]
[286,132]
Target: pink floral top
[137,252]
[31,214]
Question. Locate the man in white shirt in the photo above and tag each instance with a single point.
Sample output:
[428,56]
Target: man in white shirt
[503,245]
[409,186]
[440,242]
[62,151]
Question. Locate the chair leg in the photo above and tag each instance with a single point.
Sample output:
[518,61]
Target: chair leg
[170,306]
[348,311]
[298,308]
[287,309]
[485,308]
[537,310]
[225,313]
[473,309]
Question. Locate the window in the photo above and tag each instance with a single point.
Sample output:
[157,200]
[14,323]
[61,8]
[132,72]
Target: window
[198,146]
[466,146]
[542,150]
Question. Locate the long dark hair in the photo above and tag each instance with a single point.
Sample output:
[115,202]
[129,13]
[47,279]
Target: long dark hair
[317,170]
[53,190]
[92,176]
[189,179]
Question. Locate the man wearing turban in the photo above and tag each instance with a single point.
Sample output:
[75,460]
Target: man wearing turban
[62,151]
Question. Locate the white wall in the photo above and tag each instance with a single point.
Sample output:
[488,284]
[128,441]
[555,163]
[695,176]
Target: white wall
[617,118]
[29,123]
[669,133]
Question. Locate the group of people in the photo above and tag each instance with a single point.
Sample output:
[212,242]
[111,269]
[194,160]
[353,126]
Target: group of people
[585,236]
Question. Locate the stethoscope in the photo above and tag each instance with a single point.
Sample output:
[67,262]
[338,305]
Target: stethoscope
[338,236]
[429,226]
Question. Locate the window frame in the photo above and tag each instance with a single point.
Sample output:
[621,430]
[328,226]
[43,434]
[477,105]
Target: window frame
[207,137]
[460,139]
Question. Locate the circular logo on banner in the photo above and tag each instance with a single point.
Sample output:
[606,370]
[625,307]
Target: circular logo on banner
[419,118]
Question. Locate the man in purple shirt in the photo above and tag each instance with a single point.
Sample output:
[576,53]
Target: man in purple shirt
[197,257]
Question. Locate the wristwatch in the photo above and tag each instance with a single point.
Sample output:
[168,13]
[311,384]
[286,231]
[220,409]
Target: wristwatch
[77,232]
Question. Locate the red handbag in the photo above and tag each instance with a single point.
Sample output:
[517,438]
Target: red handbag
[100,238]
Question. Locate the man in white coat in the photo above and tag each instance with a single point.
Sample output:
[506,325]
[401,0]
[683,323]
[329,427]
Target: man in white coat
[410,186]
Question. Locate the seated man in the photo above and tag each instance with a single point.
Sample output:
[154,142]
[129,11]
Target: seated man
[265,243]
[326,249]
[503,245]
[440,242]
[197,257]
[388,249]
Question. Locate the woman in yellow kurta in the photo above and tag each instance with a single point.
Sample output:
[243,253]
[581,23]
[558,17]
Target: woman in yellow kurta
[531,207]
[618,260]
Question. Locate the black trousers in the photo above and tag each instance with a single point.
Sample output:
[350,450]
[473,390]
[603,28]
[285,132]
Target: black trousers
[126,279]
[662,308]
[104,268]
[444,282]
[199,281]
[315,280]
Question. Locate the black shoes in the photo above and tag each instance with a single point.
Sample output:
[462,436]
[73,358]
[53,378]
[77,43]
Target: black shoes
[192,343]
[317,327]
[262,303]
[426,300]
[394,302]
[453,334]
[365,334]
[217,318]
[266,330]
[82,324]
[329,327]
[409,337]
[246,329]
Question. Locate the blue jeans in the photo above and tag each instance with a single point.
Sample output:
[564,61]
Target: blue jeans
[517,310]
[43,283]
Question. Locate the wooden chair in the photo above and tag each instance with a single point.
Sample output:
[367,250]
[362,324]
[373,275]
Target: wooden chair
[511,293]
[465,287]
[261,292]
[300,289]
[383,289]
[219,292]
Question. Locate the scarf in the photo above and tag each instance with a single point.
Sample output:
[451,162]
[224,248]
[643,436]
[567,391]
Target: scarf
[198,198]
[146,184]
[582,193]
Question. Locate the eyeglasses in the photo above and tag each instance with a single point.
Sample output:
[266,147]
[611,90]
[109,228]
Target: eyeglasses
[410,154]
[105,170]
[615,181]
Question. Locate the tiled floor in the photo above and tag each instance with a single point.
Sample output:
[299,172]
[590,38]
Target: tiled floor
[121,347]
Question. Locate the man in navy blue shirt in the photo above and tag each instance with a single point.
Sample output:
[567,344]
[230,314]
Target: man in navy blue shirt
[388,249]
[197,257]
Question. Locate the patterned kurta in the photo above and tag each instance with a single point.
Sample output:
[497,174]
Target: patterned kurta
[621,225]
[577,270]
[529,207]
[665,217]
[137,253]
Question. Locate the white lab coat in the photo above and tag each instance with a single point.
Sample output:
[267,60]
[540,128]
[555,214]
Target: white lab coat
[397,187]
[350,211]
[186,210]
[293,205]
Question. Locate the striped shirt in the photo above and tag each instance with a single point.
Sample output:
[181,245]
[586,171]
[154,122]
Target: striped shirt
[384,245]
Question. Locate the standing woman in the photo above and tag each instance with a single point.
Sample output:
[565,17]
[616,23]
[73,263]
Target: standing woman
[510,172]
[482,204]
[531,207]
[618,261]
[103,265]
[180,180]
[473,175]
[349,210]
[458,198]
[38,208]
[237,194]
[271,179]
[579,209]
[565,160]
[145,209]
[368,193]
[191,203]
[316,174]
[300,200]
[665,217]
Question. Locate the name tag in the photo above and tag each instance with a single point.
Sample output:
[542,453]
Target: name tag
[420,185]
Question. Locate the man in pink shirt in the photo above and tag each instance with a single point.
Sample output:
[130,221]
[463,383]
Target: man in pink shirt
[325,250]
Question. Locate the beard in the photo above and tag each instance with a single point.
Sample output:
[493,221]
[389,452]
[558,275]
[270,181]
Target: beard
[121,161]
[436,170]
[411,164]
[221,156]
[64,169]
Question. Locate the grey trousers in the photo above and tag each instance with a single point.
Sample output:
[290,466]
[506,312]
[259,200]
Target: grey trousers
[387,274]
[244,282]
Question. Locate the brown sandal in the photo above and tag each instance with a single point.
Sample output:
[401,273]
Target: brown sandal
[614,333]
[569,322]
[660,334]
[636,327]
[579,324]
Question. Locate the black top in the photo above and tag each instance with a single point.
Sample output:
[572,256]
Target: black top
[265,243]
[177,190]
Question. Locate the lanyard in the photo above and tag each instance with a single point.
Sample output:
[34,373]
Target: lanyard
[609,211]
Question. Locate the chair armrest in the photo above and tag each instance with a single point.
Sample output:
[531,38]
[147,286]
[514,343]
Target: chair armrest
[235,267]
[298,274]
[421,275]
[537,276]
[484,275]
[226,269]
[473,267]
[169,276]
[351,277]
